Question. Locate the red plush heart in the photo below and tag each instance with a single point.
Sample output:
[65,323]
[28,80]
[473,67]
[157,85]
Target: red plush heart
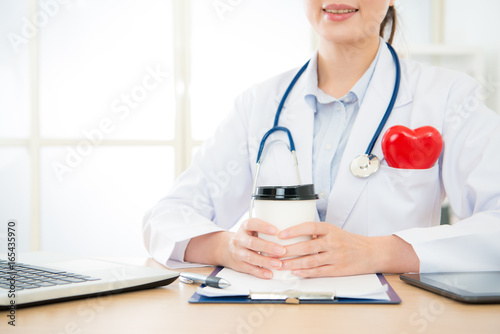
[412,149]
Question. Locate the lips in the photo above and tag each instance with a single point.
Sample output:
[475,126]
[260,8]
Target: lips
[339,12]
[338,6]
[335,6]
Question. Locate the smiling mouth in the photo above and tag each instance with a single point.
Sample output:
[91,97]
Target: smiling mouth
[340,11]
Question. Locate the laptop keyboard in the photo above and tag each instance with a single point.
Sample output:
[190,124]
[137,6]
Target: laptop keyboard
[32,277]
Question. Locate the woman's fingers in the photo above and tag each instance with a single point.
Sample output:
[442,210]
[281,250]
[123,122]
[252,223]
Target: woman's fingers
[259,245]
[306,262]
[253,255]
[305,248]
[309,228]
[257,259]
[258,225]
[324,271]
[249,241]
[253,270]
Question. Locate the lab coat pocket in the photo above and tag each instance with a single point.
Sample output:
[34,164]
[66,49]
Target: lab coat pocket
[398,199]
[409,178]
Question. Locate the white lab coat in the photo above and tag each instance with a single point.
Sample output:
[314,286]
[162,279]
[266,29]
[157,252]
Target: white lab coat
[215,191]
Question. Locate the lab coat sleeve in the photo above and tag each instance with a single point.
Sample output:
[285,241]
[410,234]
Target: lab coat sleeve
[471,179]
[210,196]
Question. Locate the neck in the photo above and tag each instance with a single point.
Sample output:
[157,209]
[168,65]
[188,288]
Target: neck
[340,66]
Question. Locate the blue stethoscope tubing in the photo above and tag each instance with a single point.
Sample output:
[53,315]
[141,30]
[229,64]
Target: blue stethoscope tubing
[363,165]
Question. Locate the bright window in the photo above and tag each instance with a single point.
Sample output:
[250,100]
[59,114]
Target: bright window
[232,49]
[102,103]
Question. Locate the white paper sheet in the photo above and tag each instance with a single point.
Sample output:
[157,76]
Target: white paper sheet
[358,287]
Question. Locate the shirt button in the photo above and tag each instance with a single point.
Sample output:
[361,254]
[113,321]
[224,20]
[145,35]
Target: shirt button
[321,195]
[328,147]
[339,108]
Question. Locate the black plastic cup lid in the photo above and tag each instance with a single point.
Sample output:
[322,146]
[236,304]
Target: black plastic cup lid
[287,193]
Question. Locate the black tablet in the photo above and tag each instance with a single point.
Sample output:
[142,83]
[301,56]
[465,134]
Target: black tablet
[469,287]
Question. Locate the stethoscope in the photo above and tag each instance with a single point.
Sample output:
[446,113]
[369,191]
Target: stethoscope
[363,165]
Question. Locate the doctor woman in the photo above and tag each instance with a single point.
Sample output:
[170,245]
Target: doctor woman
[387,222]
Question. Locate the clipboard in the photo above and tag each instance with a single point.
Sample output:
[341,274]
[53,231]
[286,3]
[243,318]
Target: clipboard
[295,299]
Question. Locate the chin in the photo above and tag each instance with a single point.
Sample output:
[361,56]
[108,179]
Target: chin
[347,39]
[337,39]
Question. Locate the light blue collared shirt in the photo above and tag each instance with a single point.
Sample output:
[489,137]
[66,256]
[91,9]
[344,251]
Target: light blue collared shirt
[333,121]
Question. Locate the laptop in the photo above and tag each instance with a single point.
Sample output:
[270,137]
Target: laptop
[47,277]
[467,287]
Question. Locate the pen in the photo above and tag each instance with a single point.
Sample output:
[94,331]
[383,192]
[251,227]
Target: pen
[215,282]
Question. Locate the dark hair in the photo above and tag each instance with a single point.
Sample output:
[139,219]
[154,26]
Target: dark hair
[389,17]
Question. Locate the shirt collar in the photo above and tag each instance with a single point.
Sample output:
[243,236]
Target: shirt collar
[313,94]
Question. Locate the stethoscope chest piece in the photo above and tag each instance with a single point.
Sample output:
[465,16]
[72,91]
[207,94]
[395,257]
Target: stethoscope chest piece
[365,165]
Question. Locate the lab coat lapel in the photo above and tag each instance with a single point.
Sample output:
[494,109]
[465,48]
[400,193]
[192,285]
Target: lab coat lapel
[347,188]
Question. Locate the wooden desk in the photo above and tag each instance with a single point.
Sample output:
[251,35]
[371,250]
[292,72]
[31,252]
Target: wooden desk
[166,310]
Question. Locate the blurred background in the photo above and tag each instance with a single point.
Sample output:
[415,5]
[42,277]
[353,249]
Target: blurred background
[103,102]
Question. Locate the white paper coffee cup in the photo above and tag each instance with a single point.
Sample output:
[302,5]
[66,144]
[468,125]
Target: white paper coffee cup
[284,207]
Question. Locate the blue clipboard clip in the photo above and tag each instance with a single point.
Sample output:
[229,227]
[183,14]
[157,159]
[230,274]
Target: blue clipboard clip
[292,296]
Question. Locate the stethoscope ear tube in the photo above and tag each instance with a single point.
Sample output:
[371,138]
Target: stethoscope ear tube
[272,130]
[268,133]
[368,164]
[391,103]
[260,159]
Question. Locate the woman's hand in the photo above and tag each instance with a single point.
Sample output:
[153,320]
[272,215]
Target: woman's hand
[335,252]
[244,247]
[332,252]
